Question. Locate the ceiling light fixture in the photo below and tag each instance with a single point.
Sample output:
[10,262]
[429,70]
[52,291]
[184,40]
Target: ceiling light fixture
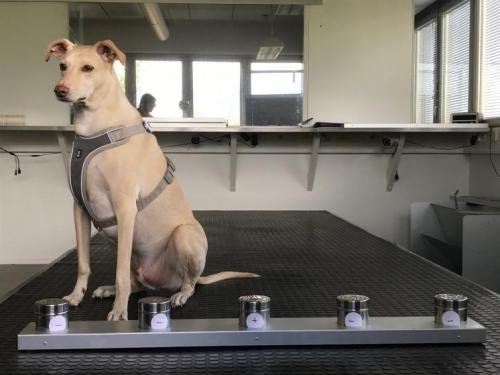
[272,46]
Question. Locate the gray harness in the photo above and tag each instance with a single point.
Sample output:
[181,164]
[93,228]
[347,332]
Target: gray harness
[85,148]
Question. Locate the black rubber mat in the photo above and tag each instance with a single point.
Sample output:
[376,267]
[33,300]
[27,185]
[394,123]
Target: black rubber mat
[306,260]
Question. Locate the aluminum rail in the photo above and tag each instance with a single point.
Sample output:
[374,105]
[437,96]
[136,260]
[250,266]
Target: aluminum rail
[226,333]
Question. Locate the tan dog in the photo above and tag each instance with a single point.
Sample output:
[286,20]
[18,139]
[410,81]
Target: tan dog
[162,245]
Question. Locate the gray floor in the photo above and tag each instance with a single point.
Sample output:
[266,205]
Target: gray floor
[13,276]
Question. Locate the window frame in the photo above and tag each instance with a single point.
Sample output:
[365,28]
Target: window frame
[442,79]
[437,12]
[187,81]
[437,72]
[301,71]
[479,37]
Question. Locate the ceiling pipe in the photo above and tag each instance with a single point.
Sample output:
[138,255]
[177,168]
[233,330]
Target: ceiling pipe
[155,18]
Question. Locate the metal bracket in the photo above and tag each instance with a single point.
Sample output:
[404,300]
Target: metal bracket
[65,150]
[394,162]
[226,332]
[313,162]
[232,162]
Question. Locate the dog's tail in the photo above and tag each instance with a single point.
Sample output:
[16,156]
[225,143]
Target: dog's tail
[210,279]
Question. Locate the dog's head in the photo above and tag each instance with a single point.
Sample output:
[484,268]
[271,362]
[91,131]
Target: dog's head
[84,69]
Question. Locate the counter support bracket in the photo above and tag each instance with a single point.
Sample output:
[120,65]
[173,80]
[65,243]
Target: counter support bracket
[313,162]
[232,162]
[65,150]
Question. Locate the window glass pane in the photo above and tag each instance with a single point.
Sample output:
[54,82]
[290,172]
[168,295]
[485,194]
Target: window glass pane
[456,60]
[163,80]
[426,73]
[286,66]
[120,73]
[490,77]
[276,83]
[216,90]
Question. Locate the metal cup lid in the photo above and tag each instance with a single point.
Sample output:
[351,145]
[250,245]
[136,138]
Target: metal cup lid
[450,301]
[154,305]
[51,306]
[254,303]
[352,302]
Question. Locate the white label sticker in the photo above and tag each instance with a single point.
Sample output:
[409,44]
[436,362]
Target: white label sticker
[450,319]
[353,319]
[160,321]
[255,320]
[58,324]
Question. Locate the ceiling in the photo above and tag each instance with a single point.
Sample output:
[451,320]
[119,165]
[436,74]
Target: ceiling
[421,4]
[177,12]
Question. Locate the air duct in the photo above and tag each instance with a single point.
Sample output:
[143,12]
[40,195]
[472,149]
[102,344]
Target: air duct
[155,18]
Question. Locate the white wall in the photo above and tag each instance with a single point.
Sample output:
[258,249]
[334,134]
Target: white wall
[483,180]
[36,213]
[34,225]
[359,61]
[26,81]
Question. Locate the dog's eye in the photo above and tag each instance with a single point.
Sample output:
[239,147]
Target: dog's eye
[63,67]
[87,68]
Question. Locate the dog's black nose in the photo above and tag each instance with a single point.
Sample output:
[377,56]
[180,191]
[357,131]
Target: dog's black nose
[61,90]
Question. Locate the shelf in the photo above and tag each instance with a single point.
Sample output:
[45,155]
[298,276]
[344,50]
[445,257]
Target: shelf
[391,177]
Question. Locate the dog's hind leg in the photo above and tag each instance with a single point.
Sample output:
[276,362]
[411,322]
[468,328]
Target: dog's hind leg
[82,228]
[189,244]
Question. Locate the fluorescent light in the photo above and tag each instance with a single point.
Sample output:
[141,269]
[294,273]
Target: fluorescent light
[270,49]
[155,17]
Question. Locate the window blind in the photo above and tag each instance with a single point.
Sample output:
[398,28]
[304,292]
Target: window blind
[490,67]
[426,73]
[456,53]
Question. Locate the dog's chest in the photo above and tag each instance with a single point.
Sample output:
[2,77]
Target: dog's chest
[98,194]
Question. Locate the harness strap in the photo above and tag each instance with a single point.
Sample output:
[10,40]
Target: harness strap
[85,148]
[142,203]
[120,134]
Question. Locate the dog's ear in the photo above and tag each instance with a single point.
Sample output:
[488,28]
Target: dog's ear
[109,51]
[58,48]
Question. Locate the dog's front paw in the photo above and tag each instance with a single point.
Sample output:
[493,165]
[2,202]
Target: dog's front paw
[118,314]
[104,291]
[74,298]
[179,299]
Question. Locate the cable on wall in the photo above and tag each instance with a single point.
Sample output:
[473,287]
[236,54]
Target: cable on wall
[17,166]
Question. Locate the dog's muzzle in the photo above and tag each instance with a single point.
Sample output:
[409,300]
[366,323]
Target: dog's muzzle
[62,93]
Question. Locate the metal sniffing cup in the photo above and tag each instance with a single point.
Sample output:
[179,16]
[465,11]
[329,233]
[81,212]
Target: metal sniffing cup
[52,314]
[255,312]
[352,311]
[154,313]
[450,310]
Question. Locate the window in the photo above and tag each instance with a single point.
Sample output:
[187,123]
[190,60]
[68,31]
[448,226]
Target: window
[120,73]
[276,78]
[163,80]
[489,95]
[456,62]
[426,73]
[216,90]
[276,90]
